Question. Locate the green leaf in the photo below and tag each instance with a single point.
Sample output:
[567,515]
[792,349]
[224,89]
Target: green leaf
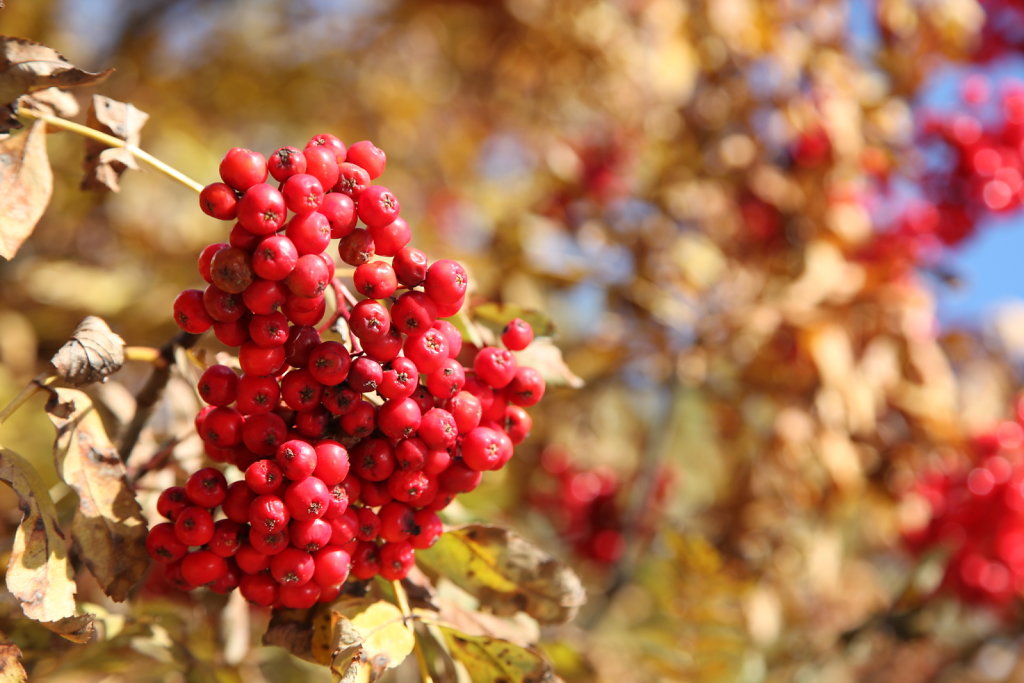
[492,660]
[505,573]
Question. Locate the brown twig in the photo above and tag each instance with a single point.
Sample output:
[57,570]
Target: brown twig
[151,392]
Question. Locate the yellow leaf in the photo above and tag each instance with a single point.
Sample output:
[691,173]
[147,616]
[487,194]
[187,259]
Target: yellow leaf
[490,660]
[109,530]
[38,573]
[506,573]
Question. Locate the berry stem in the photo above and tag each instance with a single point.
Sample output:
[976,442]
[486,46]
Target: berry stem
[38,384]
[58,122]
[410,623]
[143,354]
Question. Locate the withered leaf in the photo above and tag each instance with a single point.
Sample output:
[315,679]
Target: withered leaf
[78,629]
[490,660]
[104,165]
[27,66]
[26,183]
[109,531]
[11,670]
[506,573]
[38,573]
[357,638]
[93,353]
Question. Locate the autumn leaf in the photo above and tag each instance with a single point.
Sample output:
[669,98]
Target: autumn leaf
[11,670]
[27,67]
[92,354]
[109,531]
[543,356]
[38,573]
[490,660]
[26,183]
[357,638]
[506,573]
[104,165]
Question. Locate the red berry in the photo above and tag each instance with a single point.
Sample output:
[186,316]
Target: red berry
[329,363]
[330,142]
[163,545]
[446,282]
[268,513]
[219,201]
[410,266]
[269,330]
[307,498]
[206,487]
[297,459]
[309,277]
[302,339]
[205,257]
[274,258]
[375,279]
[292,566]
[309,534]
[359,421]
[201,567]
[410,454]
[242,168]
[526,388]
[223,306]
[310,232]
[428,351]
[264,476]
[369,319]
[259,589]
[340,211]
[495,366]
[396,559]
[171,501]
[302,596]
[413,313]
[399,380]
[237,500]
[352,180]
[438,429]
[377,206]
[332,463]
[250,560]
[257,394]
[399,418]
[286,162]
[373,459]
[262,433]
[302,193]
[332,566]
[227,538]
[300,390]
[368,156]
[194,526]
[517,334]
[357,247]
[190,313]
[428,529]
[262,210]
[323,164]
[222,426]
[368,524]
[447,380]
[263,297]
[389,239]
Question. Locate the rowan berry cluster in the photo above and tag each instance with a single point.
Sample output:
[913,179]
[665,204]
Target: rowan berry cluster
[347,447]
[976,514]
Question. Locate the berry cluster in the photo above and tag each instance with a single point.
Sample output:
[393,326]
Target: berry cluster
[976,514]
[348,447]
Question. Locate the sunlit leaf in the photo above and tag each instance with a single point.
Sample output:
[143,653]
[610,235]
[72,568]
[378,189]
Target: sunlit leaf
[26,183]
[109,530]
[38,573]
[505,573]
[543,356]
[491,660]
[92,354]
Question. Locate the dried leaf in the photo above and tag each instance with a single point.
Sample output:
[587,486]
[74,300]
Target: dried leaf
[38,573]
[93,353]
[103,164]
[26,183]
[506,573]
[11,670]
[358,638]
[109,530]
[543,356]
[490,660]
[27,66]
[78,629]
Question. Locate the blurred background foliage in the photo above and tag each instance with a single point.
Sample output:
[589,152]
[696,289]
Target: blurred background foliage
[696,193]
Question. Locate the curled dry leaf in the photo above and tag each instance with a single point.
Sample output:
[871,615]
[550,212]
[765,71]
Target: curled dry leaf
[11,670]
[104,165]
[26,183]
[93,353]
[357,638]
[27,67]
[506,573]
[38,573]
[490,660]
[109,531]
[78,629]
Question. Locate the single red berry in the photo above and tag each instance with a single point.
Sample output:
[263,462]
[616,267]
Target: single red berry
[436,461]
[233,333]
[163,545]
[374,493]
[365,375]
[259,589]
[329,363]
[171,501]
[459,478]
[304,311]
[302,193]
[414,313]
[340,211]
[329,142]
[300,390]
[302,596]
[359,421]
[448,379]
[396,520]
[262,210]
[219,201]
[201,567]
[429,529]
[286,162]
[194,526]
[309,277]
[323,164]
[228,581]
[389,239]
[446,282]
[230,270]
[302,339]
[377,206]
[332,463]
[495,366]
[365,562]
[399,380]
[262,433]
[369,319]
[484,448]
[250,560]
[423,398]
[399,418]
[297,458]
[368,156]
[410,266]
[206,487]
[269,542]
[352,180]
[517,334]
[264,297]
[313,423]
[205,257]
[190,313]
[332,566]
[269,330]
[274,258]
[339,501]
[517,423]
[368,524]
[237,500]
[373,459]
[309,534]
[526,387]
[375,279]
[414,488]
[344,527]
[241,238]
[264,476]
[310,232]
[268,513]
[438,429]
[223,306]
[340,399]
[292,566]
[307,498]
[384,348]
[428,351]
[223,427]
[396,559]
[257,394]
[242,168]
[410,454]
[227,538]
[357,247]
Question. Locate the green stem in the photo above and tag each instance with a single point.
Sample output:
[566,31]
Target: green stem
[112,141]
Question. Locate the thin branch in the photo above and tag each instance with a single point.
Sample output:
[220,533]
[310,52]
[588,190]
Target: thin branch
[112,141]
[409,620]
[37,384]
